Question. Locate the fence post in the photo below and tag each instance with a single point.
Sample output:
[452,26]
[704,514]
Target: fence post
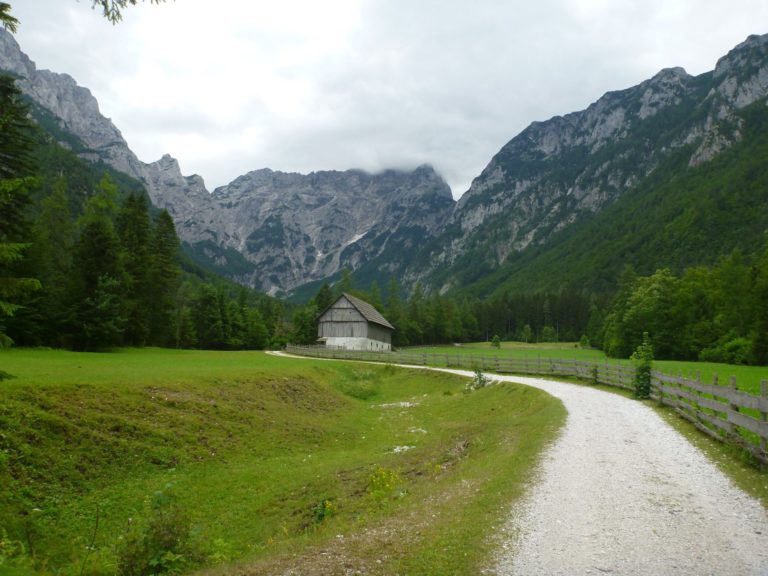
[763,414]
[734,407]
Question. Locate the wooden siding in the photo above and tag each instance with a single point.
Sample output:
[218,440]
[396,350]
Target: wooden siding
[379,333]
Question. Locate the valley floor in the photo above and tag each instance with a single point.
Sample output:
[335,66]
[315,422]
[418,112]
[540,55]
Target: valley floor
[622,492]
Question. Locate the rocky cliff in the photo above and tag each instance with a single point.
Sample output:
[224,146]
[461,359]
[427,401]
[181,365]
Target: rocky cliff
[77,112]
[296,228]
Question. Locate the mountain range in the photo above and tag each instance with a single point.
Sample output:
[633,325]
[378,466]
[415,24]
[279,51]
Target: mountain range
[670,172]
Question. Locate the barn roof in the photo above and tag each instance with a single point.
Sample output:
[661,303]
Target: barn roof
[369,312]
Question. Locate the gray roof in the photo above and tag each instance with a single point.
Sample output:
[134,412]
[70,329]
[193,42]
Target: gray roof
[369,312]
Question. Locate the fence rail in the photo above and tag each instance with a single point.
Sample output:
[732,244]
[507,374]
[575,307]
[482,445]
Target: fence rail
[723,412]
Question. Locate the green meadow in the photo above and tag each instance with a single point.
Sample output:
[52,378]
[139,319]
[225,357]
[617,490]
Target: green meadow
[161,461]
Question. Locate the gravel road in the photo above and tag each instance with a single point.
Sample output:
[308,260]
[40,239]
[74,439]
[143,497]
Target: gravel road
[621,492]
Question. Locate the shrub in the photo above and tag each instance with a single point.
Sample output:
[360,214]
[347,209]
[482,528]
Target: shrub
[735,351]
[548,334]
[643,361]
[324,509]
[496,341]
[479,380]
[162,546]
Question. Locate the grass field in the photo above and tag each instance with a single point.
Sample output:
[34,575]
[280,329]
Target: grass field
[748,378]
[265,463]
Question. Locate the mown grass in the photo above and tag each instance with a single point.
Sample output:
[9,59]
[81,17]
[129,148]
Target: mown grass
[277,462]
[748,378]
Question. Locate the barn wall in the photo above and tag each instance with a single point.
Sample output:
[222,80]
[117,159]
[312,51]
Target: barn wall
[329,329]
[358,344]
[380,333]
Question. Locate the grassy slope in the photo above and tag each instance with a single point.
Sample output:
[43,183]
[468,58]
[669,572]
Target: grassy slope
[252,444]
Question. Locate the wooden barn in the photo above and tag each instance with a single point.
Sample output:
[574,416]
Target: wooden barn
[353,324]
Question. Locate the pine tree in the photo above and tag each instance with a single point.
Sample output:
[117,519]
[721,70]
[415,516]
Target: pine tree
[133,228]
[163,282]
[97,273]
[16,141]
[209,324]
[15,165]
[345,285]
[13,289]
[323,298]
[42,320]
[374,296]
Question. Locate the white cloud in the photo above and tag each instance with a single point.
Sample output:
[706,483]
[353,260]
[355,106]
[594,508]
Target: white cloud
[301,85]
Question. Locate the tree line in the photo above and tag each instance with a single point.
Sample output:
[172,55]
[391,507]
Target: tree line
[715,313]
[424,319]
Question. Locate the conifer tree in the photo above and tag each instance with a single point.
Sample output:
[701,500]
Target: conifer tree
[133,228]
[163,281]
[15,165]
[97,274]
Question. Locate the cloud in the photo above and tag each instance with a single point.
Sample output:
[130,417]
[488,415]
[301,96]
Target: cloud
[301,85]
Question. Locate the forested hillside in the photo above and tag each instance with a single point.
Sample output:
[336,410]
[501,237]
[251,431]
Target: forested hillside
[677,217]
[86,263]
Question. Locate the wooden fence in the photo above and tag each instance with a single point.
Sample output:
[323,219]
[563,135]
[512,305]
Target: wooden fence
[617,375]
[723,412]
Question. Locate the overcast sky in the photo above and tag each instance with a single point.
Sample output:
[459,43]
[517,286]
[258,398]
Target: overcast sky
[303,85]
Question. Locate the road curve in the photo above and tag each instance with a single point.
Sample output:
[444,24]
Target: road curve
[622,492]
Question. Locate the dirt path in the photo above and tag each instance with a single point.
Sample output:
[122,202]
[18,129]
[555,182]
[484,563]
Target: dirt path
[621,492]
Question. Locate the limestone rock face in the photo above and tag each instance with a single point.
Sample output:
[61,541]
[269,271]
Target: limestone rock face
[77,112]
[297,228]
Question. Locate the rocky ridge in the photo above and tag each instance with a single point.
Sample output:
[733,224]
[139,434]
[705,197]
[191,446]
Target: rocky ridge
[557,171]
[278,231]
[289,229]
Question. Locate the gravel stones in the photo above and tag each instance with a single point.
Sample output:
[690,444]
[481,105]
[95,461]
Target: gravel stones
[621,492]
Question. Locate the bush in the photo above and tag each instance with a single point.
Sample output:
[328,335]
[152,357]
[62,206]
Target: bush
[479,380]
[548,334]
[736,351]
[160,547]
[385,484]
[643,360]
